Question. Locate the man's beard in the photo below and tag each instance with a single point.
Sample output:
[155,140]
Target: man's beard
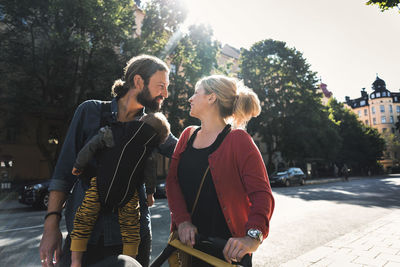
[144,98]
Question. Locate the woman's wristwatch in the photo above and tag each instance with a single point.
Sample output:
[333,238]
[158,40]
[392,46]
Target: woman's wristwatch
[255,234]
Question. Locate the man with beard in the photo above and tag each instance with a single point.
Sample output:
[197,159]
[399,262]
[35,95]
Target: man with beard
[145,84]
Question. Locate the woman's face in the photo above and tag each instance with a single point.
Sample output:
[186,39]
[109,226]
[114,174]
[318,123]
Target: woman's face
[198,102]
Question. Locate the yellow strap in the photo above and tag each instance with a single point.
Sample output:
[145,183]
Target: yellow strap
[199,254]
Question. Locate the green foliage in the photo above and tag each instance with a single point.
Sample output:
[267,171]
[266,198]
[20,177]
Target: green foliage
[162,19]
[362,146]
[193,57]
[293,120]
[385,5]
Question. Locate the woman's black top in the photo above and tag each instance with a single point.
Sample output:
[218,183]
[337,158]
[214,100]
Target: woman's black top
[208,216]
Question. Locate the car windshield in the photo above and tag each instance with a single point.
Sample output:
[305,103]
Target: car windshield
[281,173]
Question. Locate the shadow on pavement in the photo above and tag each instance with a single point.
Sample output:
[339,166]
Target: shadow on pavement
[370,192]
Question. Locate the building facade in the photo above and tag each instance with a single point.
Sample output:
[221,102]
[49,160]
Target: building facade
[229,59]
[380,110]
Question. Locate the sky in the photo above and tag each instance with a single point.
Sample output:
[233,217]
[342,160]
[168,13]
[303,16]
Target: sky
[345,41]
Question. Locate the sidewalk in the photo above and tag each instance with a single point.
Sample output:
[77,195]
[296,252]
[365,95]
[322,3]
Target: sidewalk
[11,204]
[376,244]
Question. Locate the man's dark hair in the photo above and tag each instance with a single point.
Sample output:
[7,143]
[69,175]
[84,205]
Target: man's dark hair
[143,65]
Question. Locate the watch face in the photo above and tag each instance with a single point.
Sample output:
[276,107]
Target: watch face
[256,234]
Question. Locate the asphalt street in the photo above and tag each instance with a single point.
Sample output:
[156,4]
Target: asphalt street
[305,218]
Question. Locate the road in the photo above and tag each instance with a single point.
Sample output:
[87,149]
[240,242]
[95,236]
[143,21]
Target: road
[304,218]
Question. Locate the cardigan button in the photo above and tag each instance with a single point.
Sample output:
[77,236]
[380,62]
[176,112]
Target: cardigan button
[229,221]
[224,208]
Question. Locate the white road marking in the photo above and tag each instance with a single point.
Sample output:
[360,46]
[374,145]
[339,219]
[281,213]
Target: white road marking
[23,228]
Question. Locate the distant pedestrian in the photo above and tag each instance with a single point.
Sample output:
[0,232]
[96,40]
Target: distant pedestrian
[345,172]
[335,170]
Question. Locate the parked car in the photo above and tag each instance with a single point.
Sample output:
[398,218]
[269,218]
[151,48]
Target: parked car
[35,194]
[288,177]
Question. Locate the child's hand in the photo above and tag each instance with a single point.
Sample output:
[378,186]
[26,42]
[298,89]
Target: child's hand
[150,200]
[75,171]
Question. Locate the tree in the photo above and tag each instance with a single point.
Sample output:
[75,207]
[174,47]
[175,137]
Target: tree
[162,20]
[55,54]
[193,57]
[362,146]
[385,5]
[293,120]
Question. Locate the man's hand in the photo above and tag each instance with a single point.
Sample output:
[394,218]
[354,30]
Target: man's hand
[237,247]
[50,245]
[187,232]
[150,200]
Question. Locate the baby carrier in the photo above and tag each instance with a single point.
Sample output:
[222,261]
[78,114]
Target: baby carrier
[120,168]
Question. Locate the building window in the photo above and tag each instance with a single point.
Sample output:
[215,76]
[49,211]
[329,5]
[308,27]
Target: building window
[359,113]
[366,122]
[395,98]
[378,94]
[383,119]
[388,93]
[383,93]
[374,121]
[382,108]
[395,155]
[391,119]
[384,130]
[398,109]
[362,103]
[365,112]
[390,109]
[373,110]
[372,96]
[6,163]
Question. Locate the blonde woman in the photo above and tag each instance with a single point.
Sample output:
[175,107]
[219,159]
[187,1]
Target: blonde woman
[235,201]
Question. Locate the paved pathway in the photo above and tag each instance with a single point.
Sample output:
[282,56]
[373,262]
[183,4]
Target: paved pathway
[375,244]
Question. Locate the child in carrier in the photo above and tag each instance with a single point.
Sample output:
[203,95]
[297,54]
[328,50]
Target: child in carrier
[122,152]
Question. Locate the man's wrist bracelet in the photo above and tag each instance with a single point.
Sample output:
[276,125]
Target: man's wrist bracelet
[53,213]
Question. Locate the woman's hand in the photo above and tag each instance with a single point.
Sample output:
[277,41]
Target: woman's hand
[187,232]
[237,247]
